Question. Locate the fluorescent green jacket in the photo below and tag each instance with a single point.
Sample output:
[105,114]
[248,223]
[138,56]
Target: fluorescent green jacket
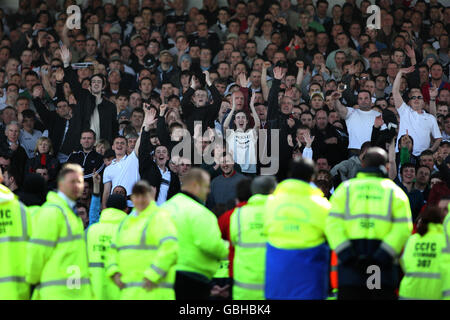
[201,244]
[145,246]
[295,216]
[15,229]
[421,264]
[246,234]
[57,260]
[445,260]
[99,238]
[371,208]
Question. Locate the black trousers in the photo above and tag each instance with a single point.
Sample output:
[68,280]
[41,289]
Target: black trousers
[191,286]
[363,293]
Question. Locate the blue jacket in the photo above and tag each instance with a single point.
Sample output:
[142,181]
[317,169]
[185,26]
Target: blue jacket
[307,281]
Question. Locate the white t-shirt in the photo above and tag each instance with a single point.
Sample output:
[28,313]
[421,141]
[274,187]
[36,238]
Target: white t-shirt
[359,125]
[420,126]
[164,187]
[242,146]
[123,173]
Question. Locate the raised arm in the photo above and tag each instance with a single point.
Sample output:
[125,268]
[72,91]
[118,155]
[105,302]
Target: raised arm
[398,100]
[264,86]
[300,74]
[392,162]
[340,108]
[226,124]
[433,94]
[143,145]
[251,32]
[273,107]
[69,74]
[255,114]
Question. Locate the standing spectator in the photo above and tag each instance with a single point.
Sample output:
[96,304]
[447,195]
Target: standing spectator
[223,187]
[358,121]
[413,119]
[99,114]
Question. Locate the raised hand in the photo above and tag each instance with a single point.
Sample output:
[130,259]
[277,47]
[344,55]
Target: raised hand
[407,70]
[336,95]
[37,92]
[278,73]
[267,65]
[378,121]
[243,80]
[59,74]
[308,139]
[300,64]
[289,141]
[162,109]
[207,78]
[433,92]
[66,56]
[410,51]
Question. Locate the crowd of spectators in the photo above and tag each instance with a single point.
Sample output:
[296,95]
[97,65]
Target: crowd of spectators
[140,78]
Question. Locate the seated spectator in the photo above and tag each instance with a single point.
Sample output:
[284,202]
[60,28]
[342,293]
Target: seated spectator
[44,156]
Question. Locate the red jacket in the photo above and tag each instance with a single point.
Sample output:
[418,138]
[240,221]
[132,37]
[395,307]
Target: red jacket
[224,224]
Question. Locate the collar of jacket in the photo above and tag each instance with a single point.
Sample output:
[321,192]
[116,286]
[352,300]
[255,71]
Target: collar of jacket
[380,172]
[112,215]
[257,199]
[190,195]
[6,194]
[297,187]
[152,207]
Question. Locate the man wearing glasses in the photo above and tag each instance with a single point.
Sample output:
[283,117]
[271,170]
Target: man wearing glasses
[413,120]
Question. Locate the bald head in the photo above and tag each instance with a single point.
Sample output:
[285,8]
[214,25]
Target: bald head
[375,157]
[196,181]
[263,185]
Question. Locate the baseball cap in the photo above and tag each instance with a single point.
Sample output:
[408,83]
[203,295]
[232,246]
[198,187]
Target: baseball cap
[123,113]
[115,29]
[317,94]
[165,52]
[232,35]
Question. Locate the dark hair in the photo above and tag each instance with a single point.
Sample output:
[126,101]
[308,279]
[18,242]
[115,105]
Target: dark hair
[302,169]
[89,131]
[243,192]
[430,215]
[405,166]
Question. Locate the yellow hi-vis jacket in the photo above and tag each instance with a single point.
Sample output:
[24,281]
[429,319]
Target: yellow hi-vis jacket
[57,259]
[421,263]
[445,259]
[99,238]
[200,240]
[145,246]
[15,227]
[246,234]
[370,216]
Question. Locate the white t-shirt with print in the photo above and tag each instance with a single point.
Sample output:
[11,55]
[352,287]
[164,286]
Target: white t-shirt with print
[359,126]
[420,126]
[242,145]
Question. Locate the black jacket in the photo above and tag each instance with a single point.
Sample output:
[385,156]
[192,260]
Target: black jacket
[56,126]
[206,114]
[88,161]
[149,171]
[86,102]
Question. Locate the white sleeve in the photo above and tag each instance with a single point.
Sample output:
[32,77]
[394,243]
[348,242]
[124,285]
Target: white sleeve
[435,132]
[307,153]
[349,112]
[106,176]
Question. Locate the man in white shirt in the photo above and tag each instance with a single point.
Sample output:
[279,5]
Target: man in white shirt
[123,171]
[413,119]
[359,120]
